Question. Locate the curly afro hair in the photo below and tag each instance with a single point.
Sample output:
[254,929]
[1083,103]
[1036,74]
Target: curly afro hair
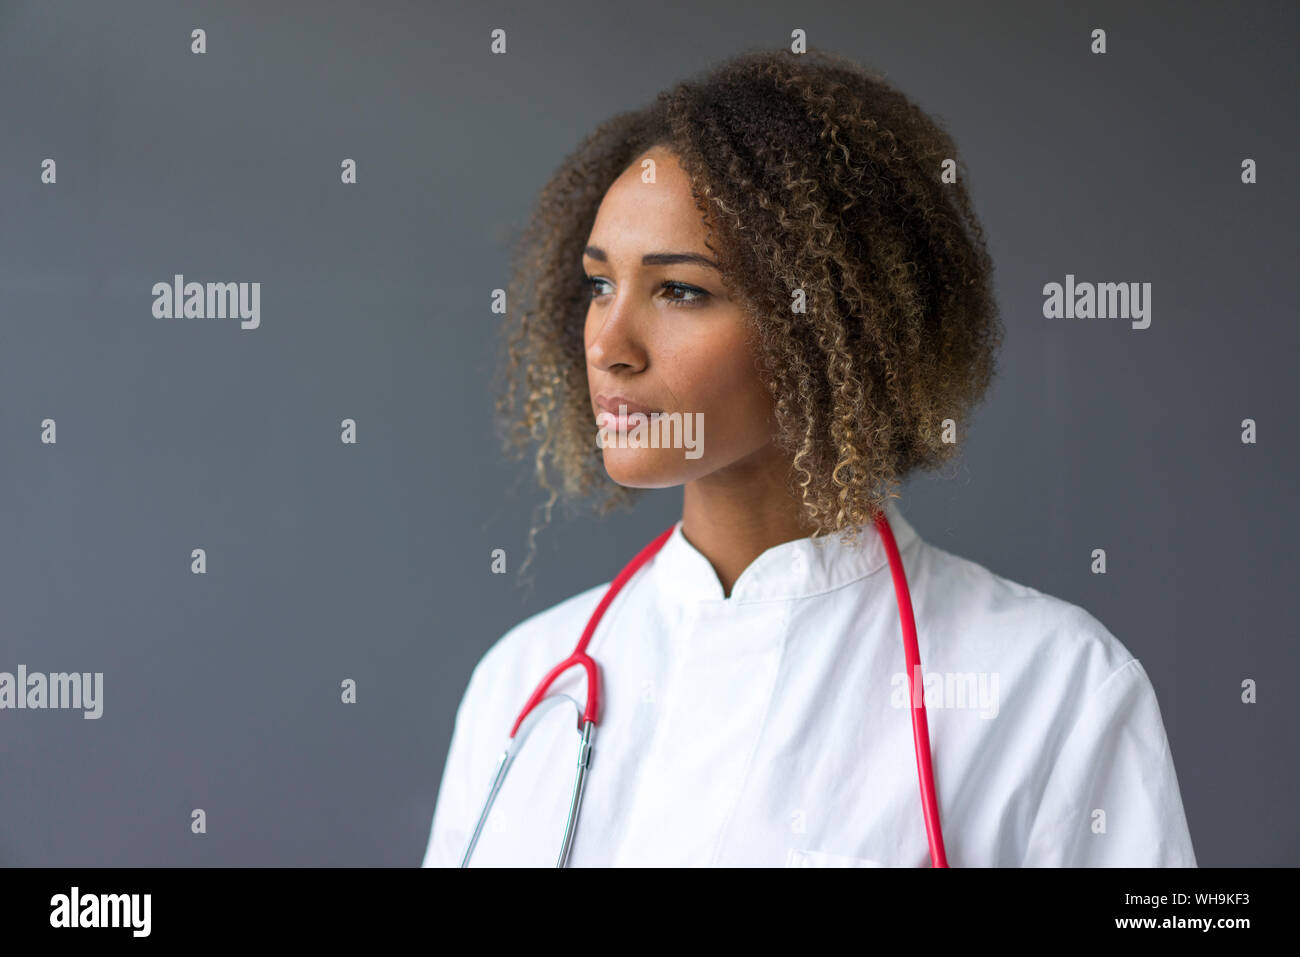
[813,175]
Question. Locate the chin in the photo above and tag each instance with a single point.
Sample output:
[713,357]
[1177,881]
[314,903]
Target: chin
[647,468]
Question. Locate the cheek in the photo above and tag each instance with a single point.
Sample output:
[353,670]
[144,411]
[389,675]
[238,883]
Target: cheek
[719,377]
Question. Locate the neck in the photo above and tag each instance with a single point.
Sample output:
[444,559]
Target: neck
[735,514]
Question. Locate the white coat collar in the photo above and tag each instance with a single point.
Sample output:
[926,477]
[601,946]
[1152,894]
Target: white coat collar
[797,569]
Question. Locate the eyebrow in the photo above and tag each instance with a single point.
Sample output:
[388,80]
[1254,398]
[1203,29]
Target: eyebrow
[658,259]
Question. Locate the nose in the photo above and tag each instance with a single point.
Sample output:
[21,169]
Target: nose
[613,334]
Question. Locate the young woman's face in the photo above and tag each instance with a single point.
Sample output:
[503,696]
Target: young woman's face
[661,333]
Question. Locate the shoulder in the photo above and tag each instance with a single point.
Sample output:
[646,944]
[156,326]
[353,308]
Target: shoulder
[975,613]
[1067,693]
[540,641]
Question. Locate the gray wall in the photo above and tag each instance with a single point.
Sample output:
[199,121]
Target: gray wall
[371,561]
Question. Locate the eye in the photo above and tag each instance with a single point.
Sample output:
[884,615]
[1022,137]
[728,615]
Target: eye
[696,295]
[589,283]
[681,294]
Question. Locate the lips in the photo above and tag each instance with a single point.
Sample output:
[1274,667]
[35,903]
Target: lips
[615,410]
[611,403]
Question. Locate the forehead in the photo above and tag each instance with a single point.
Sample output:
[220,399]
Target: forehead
[637,216]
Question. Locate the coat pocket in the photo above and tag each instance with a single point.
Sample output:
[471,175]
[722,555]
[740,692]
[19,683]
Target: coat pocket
[795,857]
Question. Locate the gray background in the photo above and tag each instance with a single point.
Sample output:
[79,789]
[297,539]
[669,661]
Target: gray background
[371,561]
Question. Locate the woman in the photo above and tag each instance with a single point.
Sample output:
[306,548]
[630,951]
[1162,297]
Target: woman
[774,251]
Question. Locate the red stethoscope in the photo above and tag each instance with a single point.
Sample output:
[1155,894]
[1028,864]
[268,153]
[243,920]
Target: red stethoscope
[540,702]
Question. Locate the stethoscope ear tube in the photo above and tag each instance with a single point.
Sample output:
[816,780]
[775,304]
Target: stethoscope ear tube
[514,744]
[575,802]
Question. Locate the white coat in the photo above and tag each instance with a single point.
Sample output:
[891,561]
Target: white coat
[770,728]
